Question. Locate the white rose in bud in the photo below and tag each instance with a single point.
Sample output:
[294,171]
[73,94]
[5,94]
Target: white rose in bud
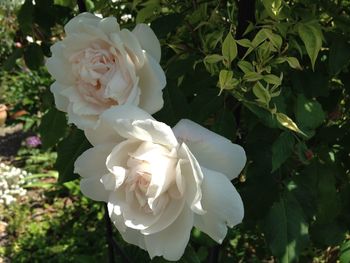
[160,182]
[98,65]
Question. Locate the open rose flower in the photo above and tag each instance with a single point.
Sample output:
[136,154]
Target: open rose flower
[98,65]
[160,182]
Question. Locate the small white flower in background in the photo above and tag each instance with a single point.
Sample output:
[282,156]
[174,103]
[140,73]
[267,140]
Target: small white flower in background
[11,180]
[98,66]
[160,182]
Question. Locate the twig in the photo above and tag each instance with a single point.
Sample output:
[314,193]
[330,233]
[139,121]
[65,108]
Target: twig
[109,235]
[82,6]
[112,244]
[214,254]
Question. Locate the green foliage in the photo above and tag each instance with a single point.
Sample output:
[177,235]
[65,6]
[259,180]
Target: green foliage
[281,90]
[286,229]
[69,150]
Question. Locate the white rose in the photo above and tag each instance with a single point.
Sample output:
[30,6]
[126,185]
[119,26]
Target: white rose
[98,65]
[160,182]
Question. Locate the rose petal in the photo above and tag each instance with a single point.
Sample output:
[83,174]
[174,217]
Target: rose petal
[192,173]
[169,215]
[172,241]
[81,121]
[119,155]
[152,81]
[148,40]
[105,131]
[210,149]
[109,25]
[75,24]
[85,167]
[94,189]
[223,205]
[162,166]
[59,69]
[134,217]
[61,101]
[132,45]
[146,130]
[114,210]
[79,105]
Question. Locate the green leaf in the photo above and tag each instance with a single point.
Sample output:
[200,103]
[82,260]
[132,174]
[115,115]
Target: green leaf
[308,113]
[328,201]
[68,150]
[11,60]
[166,24]
[282,149]
[52,127]
[245,43]
[272,79]
[190,256]
[212,59]
[263,115]
[261,93]
[252,76]
[286,229]
[330,234]
[245,66]
[339,55]
[345,252]
[229,48]
[225,79]
[25,17]
[287,122]
[33,56]
[311,35]
[146,12]
[293,62]
[273,7]
[225,124]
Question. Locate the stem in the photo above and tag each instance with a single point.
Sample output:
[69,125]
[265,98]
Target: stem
[109,235]
[214,254]
[81,6]
[112,244]
[246,14]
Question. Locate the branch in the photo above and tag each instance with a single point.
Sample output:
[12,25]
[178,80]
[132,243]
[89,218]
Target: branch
[246,14]
[82,6]
[112,244]
[109,235]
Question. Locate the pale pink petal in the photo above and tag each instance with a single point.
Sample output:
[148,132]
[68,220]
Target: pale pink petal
[193,176]
[109,25]
[132,46]
[148,40]
[223,205]
[75,24]
[152,81]
[172,241]
[94,189]
[107,128]
[210,149]
[146,130]
[169,215]
[61,101]
[92,162]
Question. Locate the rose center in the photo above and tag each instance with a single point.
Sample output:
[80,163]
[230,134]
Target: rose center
[97,70]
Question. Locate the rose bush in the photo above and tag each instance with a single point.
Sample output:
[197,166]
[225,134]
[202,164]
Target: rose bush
[160,182]
[98,65]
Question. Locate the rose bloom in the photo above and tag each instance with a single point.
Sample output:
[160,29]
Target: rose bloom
[160,182]
[98,65]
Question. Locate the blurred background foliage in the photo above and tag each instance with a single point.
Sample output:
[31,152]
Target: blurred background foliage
[270,75]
